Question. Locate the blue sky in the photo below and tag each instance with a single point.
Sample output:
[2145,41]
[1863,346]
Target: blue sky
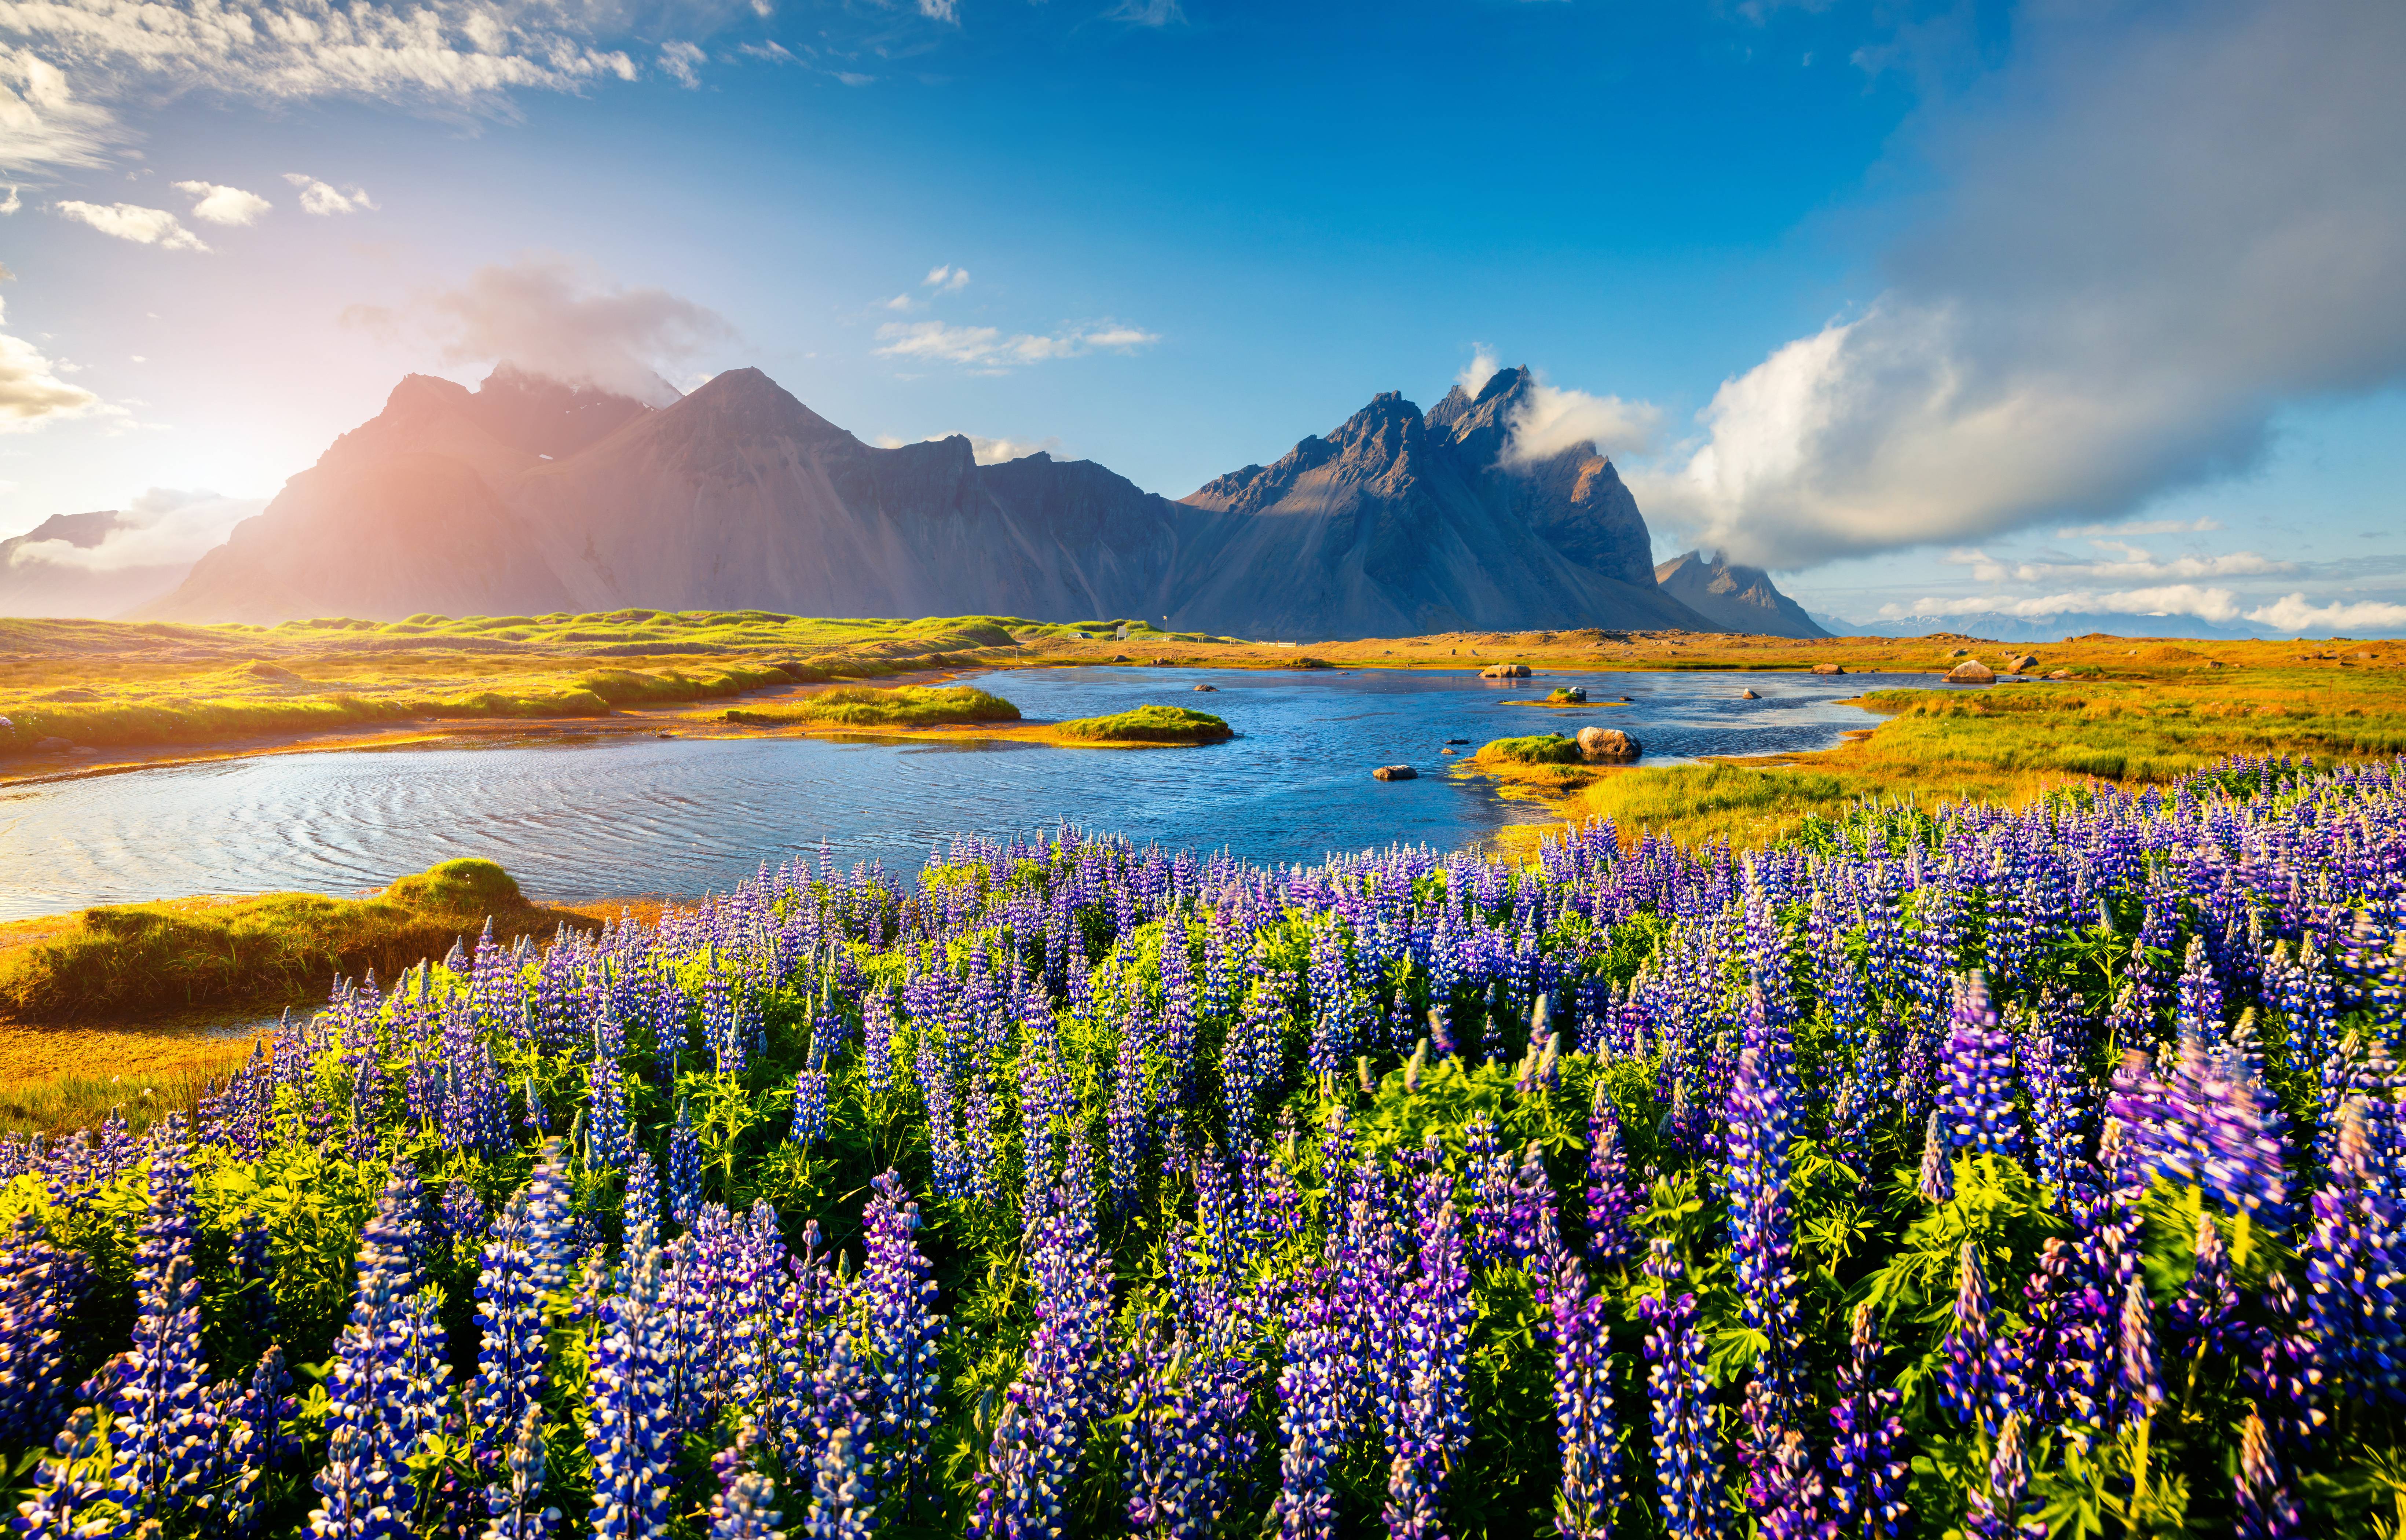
[2091,306]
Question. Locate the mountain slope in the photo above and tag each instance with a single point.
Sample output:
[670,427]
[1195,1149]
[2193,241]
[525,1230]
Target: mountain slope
[526,497]
[1733,598]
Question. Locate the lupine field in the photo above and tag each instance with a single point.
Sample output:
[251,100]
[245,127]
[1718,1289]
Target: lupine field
[1990,1173]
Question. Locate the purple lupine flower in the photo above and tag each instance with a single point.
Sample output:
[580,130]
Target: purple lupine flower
[1937,1170]
[1433,1425]
[2288,1374]
[1614,1201]
[1687,1443]
[631,1411]
[1762,1128]
[39,1286]
[2204,1125]
[2138,1387]
[1574,1324]
[685,1167]
[1251,1060]
[902,1331]
[1783,1489]
[2059,1090]
[2068,1338]
[1041,1437]
[2205,1317]
[383,1396]
[1869,1476]
[1978,1110]
[810,1123]
[1337,1010]
[743,1507]
[160,1428]
[1970,1384]
[524,1261]
[74,1495]
[1314,1416]
[607,1144]
[2000,1509]
[514,1503]
[1487,1171]
[844,1501]
[1187,1442]
[877,1040]
[2266,1509]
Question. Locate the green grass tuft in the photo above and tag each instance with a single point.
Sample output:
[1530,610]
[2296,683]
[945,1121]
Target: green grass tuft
[117,960]
[1545,748]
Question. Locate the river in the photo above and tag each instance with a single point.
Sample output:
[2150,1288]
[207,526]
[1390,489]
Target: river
[581,818]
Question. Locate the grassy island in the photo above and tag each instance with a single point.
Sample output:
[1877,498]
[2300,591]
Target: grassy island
[904,706]
[1148,724]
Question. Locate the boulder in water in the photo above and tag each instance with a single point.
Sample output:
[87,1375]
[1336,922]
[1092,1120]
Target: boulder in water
[1395,773]
[1607,745]
[1970,672]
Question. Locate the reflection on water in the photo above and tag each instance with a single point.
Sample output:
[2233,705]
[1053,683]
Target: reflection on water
[591,818]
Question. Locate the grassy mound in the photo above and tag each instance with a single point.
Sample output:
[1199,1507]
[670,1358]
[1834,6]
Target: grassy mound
[1545,748]
[119,959]
[906,706]
[1149,725]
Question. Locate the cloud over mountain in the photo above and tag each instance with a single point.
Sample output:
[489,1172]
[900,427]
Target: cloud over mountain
[2161,225]
[547,315]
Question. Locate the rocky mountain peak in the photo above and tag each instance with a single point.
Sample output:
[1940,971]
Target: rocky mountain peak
[1742,598]
[1478,426]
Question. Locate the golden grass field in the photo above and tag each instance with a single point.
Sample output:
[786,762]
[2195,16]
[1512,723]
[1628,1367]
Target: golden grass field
[2130,710]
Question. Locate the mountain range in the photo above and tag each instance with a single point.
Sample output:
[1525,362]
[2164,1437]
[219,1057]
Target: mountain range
[528,496]
[1996,626]
[51,569]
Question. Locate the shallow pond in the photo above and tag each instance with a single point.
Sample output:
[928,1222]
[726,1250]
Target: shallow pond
[583,818]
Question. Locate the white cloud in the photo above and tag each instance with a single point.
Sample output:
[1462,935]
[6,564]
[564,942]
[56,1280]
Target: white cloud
[901,302]
[221,205]
[946,279]
[162,527]
[986,345]
[1146,13]
[42,121]
[135,223]
[13,203]
[449,55]
[2179,598]
[552,318]
[1478,370]
[2144,527]
[31,391]
[682,61]
[2155,227]
[2293,614]
[947,11]
[1550,420]
[2135,566]
[318,197]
